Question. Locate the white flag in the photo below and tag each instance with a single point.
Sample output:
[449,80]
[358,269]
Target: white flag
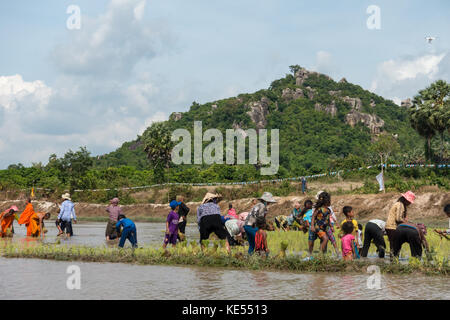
[380,181]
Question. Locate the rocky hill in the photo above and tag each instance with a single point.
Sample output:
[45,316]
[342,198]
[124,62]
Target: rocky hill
[318,118]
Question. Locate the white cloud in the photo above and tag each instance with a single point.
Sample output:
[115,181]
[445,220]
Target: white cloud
[401,78]
[100,98]
[324,64]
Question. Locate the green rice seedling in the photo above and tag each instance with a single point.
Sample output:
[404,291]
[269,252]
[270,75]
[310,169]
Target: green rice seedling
[283,246]
[205,243]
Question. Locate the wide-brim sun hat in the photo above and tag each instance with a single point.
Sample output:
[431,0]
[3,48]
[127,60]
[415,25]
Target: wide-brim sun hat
[267,197]
[209,196]
[318,194]
[66,196]
[410,196]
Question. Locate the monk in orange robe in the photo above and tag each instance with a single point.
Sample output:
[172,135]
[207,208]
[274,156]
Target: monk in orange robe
[6,221]
[34,221]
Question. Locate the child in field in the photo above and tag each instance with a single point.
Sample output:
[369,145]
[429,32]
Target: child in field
[359,239]
[307,213]
[172,225]
[348,241]
[128,231]
[261,238]
[349,215]
[231,212]
[320,222]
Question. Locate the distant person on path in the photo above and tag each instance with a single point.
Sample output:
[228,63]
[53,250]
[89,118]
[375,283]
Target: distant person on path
[348,241]
[412,233]
[183,211]
[209,219]
[114,211]
[128,232]
[66,214]
[172,224]
[397,215]
[445,233]
[304,186]
[7,218]
[258,210]
[375,230]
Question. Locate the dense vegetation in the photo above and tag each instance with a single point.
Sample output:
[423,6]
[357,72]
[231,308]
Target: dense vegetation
[311,141]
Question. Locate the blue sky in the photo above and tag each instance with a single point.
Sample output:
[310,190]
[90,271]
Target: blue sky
[134,61]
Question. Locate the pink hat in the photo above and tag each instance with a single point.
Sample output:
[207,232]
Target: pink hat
[14,208]
[409,196]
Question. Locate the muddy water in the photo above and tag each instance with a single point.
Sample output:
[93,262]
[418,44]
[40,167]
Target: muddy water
[41,279]
[93,233]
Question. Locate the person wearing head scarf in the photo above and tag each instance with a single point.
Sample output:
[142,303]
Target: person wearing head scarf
[114,211]
[259,210]
[397,215]
[209,219]
[6,221]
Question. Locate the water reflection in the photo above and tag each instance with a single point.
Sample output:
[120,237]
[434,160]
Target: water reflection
[122,281]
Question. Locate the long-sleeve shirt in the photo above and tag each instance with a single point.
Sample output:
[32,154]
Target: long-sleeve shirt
[395,216]
[183,210]
[126,223]
[114,212]
[207,209]
[67,211]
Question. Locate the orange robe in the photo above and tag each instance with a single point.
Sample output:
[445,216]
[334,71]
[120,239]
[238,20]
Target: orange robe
[29,217]
[7,222]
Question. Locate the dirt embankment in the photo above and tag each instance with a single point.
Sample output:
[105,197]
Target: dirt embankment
[428,206]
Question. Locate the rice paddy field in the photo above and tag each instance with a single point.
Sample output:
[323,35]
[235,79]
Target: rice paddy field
[287,253]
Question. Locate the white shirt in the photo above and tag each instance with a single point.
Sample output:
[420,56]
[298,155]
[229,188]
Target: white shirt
[380,223]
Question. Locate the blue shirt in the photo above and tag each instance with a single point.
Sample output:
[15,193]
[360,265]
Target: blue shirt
[127,223]
[67,211]
[308,216]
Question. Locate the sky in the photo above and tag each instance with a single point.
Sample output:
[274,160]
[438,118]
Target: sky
[134,62]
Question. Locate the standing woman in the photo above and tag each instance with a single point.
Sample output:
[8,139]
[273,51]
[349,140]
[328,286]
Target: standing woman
[397,215]
[183,211]
[114,211]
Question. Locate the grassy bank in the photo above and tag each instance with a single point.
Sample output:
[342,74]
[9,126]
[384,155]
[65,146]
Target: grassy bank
[216,256]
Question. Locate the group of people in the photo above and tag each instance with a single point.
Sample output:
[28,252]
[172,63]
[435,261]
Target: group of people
[317,219]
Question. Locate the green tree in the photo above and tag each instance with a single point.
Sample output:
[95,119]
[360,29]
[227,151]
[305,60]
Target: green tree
[75,165]
[385,146]
[430,113]
[158,147]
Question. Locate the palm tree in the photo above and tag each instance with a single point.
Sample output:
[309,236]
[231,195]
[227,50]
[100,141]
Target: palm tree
[158,146]
[430,113]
